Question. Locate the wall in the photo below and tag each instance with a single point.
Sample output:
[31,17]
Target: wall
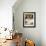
[6,13]
[29,33]
[43,22]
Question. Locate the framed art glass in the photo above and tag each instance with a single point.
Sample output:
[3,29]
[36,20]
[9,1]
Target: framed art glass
[29,19]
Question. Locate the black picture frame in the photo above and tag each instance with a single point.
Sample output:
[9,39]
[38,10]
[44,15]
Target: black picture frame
[29,19]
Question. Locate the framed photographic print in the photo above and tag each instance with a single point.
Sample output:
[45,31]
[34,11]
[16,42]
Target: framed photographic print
[29,19]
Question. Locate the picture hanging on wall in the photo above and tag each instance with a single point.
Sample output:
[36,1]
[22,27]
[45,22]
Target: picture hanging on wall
[29,19]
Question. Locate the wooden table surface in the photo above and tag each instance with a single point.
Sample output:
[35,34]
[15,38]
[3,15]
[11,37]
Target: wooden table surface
[9,43]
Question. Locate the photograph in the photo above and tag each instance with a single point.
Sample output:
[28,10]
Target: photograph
[29,19]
